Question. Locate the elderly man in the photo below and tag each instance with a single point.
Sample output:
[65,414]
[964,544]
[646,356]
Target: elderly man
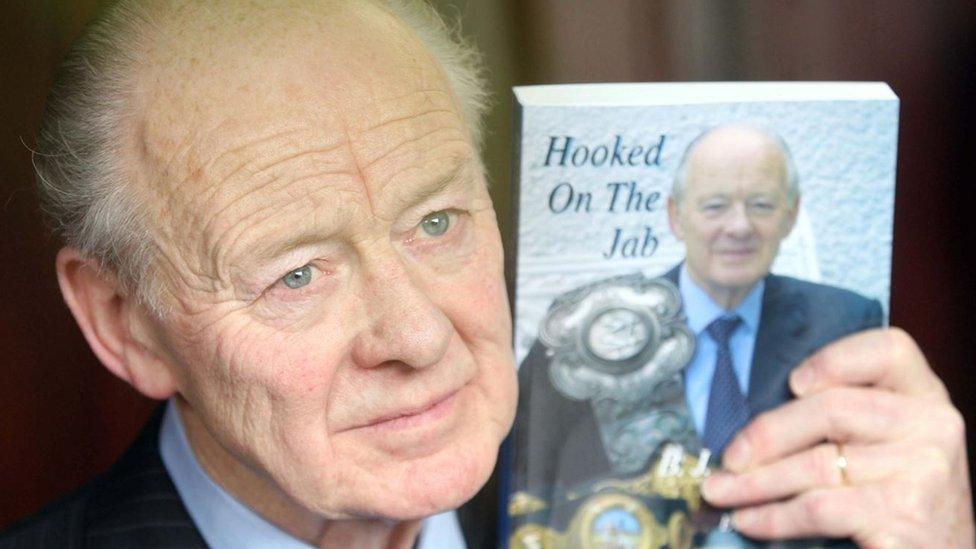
[735,198]
[276,218]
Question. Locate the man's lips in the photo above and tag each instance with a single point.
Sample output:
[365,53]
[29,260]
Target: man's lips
[410,416]
[736,251]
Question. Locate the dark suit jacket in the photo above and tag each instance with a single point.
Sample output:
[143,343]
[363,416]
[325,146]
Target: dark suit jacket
[797,318]
[557,441]
[135,504]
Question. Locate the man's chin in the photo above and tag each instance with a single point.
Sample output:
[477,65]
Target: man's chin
[378,483]
[739,275]
[430,485]
[378,478]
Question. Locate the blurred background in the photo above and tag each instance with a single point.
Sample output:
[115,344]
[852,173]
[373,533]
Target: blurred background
[63,418]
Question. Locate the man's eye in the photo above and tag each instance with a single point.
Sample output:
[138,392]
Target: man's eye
[436,224]
[298,278]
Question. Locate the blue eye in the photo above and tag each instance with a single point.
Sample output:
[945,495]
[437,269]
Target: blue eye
[298,278]
[761,207]
[436,224]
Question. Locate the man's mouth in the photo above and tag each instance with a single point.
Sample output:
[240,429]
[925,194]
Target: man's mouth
[736,252]
[412,416]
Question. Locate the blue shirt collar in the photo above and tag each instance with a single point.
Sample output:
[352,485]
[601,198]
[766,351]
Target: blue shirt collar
[222,520]
[700,309]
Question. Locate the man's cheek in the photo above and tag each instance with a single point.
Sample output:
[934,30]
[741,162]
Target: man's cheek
[479,303]
[481,316]
[288,367]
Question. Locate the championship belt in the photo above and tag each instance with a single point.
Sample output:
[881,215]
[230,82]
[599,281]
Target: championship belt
[621,344]
[656,510]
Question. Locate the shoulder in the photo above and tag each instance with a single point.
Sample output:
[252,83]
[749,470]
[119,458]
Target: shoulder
[829,302]
[822,291]
[57,525]
[134,504]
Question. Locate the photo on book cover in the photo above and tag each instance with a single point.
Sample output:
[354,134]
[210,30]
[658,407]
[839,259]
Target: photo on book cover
[679,249]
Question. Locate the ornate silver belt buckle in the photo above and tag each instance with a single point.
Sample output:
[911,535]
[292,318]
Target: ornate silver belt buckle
[621,344]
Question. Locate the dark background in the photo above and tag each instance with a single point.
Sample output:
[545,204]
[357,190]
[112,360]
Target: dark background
[64,418]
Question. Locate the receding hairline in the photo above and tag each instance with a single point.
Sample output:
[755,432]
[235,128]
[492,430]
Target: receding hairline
[205,89]
[767,137]
[185,26]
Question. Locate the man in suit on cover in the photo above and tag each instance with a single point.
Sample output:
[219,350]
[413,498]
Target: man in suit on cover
[735,198]
[276,219]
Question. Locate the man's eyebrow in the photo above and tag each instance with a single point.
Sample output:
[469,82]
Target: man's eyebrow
[451,177]
[262,255]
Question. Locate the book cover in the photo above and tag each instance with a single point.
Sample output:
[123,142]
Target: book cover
[679,249]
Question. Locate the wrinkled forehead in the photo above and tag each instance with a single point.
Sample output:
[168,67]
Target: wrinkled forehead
[261,102]
[226,66]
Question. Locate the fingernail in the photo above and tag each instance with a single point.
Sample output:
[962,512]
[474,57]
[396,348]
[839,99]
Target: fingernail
[801,380]
[716,486]
[737,455]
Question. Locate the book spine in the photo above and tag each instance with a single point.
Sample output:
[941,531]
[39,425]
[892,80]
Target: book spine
[506,455]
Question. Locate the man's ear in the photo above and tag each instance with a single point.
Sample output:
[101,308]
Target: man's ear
[116,326]
[790,220]
[674,219]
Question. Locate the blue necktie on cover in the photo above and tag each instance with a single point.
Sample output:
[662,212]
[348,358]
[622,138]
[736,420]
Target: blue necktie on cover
[728,411]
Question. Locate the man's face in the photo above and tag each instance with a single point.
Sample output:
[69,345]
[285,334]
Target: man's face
[340,323]
[734,211]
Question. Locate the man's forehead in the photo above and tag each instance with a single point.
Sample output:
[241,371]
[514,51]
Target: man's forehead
[219,103]
[186,29]
[737,153]
[222,132]
[233,65]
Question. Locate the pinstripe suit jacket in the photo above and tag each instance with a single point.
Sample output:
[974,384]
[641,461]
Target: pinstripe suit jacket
[135,504]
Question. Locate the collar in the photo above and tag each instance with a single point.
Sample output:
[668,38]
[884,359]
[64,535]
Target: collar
[222,520]
[701,310]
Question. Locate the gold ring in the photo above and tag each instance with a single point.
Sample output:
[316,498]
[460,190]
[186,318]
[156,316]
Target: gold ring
[842,463]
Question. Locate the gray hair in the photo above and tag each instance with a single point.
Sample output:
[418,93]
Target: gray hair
[82,154]
[792,177]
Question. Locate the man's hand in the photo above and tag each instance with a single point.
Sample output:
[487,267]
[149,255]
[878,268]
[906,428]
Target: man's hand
[872,399]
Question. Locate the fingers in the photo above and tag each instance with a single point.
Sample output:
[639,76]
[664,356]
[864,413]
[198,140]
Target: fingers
[923,509]
[904,443]
[835,513]
[844,414]
[884,358]
[814,468]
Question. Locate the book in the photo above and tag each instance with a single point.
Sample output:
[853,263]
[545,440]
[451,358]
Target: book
[679,249]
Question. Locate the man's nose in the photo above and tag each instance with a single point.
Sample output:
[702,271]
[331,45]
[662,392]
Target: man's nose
[404,325]
[737,221]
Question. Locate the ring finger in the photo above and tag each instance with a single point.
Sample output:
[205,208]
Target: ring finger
[817,467]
